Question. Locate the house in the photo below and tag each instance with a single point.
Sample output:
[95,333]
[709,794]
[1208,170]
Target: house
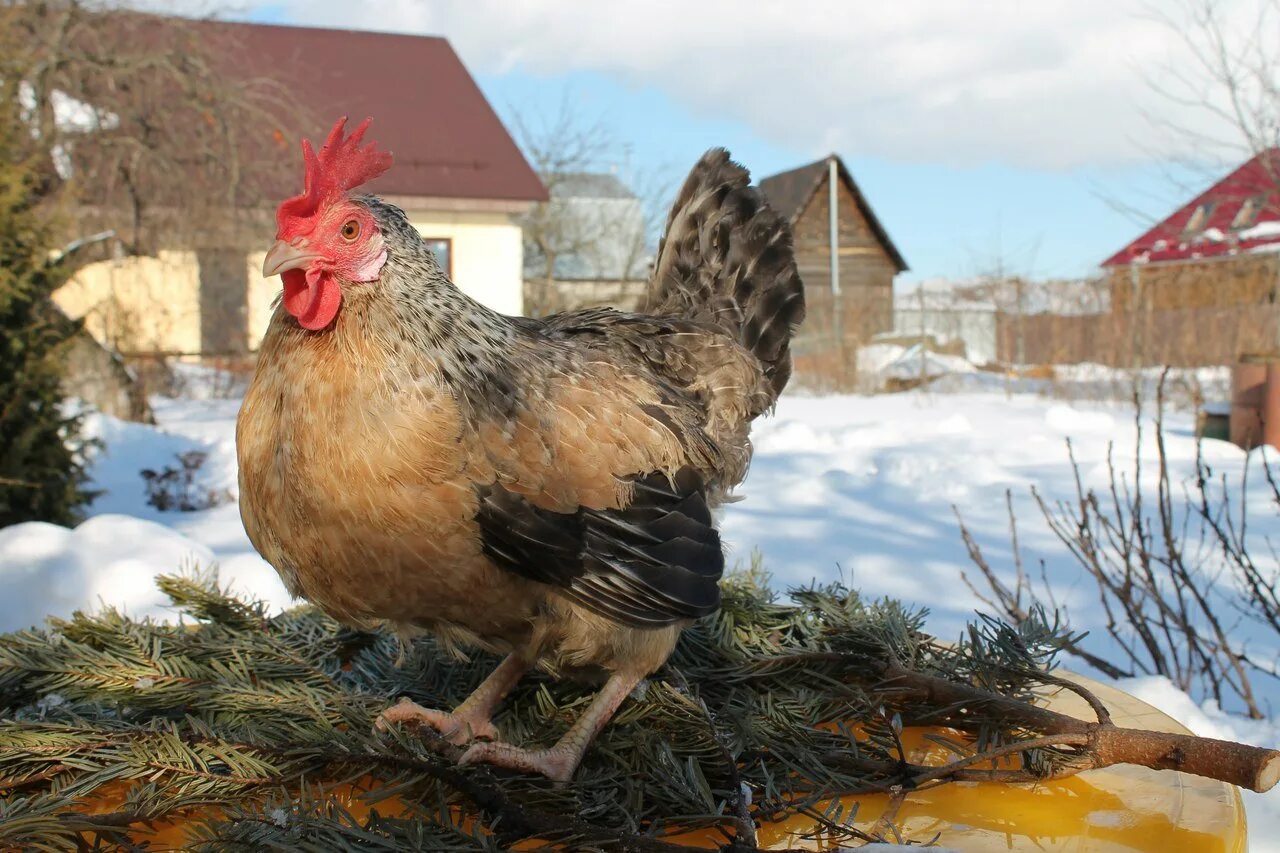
[1219,249]
[1187,290]
[866,259]
[588,246]
[458,175]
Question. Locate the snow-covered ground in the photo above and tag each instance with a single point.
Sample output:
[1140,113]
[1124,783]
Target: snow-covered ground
[860,487]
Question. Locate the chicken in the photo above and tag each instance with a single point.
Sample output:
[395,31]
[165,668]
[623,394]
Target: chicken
[537,488]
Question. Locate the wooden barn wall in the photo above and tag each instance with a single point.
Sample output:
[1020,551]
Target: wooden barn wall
[866,273]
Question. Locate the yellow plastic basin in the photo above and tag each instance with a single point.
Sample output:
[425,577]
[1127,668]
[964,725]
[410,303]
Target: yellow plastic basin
[1116,809]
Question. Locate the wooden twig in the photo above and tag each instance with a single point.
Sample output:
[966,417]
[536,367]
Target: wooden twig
[1102,744]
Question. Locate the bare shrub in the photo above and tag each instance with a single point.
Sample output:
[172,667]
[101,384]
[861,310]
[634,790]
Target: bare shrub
[1168,570]
[177,488]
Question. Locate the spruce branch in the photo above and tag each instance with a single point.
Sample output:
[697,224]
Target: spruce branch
[765,711]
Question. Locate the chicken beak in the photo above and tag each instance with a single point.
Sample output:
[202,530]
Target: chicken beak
[284,256]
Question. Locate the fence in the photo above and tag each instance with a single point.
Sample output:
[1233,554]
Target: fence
[1189,315]
[995,339]
[1189,337]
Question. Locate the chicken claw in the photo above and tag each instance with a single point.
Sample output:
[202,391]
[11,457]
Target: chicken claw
[456,728]
[470,720]
[560,761]
[556,763]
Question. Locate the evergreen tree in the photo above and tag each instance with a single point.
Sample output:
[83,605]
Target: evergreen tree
[42,473]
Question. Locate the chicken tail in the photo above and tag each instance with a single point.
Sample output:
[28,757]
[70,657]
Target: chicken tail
[726,258]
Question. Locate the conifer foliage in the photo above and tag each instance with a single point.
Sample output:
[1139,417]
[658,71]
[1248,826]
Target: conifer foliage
[42,474]
[235,729]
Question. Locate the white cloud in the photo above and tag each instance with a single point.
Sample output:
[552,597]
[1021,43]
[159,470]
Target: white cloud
[1046,84]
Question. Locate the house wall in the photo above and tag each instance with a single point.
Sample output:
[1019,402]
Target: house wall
[138,304]
[155,304]
[488,254]
[866,270]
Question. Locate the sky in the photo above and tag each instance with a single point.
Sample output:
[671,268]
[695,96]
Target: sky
[1023,136]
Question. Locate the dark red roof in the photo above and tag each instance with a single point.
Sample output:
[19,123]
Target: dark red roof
[427,110]
[1239,213]
[789,193]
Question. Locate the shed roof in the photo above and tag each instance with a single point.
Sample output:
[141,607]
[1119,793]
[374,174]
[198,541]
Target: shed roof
[789,193]
[1240,213]
[426,108]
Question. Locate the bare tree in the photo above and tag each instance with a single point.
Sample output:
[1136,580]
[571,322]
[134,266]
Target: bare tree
[1224,84]
[139,131]
[584,225]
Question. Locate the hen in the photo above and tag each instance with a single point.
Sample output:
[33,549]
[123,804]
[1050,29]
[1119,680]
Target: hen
[539,488]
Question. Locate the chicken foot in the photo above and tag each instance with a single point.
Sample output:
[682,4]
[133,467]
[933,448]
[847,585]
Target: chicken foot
[473,718]
[559,762]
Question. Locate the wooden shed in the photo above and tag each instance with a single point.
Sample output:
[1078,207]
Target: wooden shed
[866,259]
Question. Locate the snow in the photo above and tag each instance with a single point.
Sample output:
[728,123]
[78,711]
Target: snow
[874,358]
[917,362]
[112,559]
[1261,231]
[881,362]
[863,487]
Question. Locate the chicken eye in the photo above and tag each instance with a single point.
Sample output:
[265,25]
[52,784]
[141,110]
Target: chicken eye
[350,230]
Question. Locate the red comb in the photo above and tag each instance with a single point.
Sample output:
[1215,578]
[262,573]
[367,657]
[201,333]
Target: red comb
[341,165]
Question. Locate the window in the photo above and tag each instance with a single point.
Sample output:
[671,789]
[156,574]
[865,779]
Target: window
[1247,216]
[442,248]
[1198,219]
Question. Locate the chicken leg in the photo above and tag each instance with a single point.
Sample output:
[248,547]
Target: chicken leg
[470,720]
[559,762]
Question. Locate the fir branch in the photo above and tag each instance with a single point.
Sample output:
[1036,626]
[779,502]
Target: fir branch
[765,711]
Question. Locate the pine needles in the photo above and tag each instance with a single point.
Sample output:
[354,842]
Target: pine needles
[240,726]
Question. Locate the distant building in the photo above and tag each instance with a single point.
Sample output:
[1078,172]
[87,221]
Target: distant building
[1221,248]
[458,175]
[610,224]
[867,259]
[600,252]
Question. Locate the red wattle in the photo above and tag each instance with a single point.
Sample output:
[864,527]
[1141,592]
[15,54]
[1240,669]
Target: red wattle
[312,297]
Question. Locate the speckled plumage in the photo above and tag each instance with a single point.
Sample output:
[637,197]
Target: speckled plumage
[427,463]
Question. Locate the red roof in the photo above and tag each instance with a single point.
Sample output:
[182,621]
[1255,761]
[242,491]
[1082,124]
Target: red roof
[1239,213]
[427,110]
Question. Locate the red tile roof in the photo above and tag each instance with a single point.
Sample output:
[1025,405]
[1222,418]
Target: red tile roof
[427,110]
[1239,213]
